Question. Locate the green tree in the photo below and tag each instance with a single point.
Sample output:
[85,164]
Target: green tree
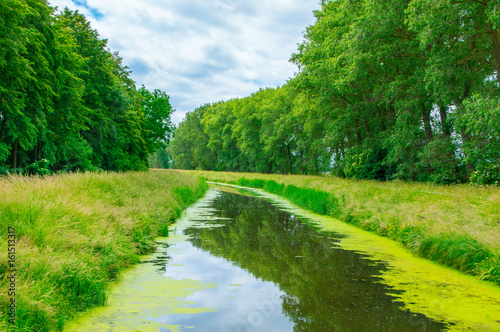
[463,55]
[246,131]
[189,147]
[26,78]
[115,122]
[218,121]
[402,89]
[66,100]
[157,111]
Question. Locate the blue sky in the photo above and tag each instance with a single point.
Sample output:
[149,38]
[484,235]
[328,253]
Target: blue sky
[201,51]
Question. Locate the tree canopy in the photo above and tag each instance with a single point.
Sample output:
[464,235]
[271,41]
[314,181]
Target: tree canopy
[67,102]
[385,90]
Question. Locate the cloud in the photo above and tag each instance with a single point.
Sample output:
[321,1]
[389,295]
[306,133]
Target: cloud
[201,51]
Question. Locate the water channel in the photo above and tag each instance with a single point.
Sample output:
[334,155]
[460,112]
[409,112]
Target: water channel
[236,262]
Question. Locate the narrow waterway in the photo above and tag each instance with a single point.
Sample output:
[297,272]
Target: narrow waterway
[239,263]
[316,285]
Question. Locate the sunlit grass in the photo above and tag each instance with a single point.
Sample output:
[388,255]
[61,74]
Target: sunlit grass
[455,225]
[76,232]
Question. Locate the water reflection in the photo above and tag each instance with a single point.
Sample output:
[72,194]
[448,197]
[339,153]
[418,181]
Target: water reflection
[238,300]
[322,288]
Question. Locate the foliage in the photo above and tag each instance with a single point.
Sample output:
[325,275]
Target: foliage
[385,90]
[66,98]
[160,159]
[481,120]
[41,167]
[189,148]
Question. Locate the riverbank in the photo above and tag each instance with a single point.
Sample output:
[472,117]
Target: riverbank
[418,285]
[71,235]
[457,226]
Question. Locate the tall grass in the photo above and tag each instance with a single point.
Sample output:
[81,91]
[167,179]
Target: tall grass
[455,225]
[76,232]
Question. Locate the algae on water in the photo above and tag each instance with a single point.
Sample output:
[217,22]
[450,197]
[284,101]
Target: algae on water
[426,287]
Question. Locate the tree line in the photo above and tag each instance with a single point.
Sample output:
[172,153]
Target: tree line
[385,90]
[67,102]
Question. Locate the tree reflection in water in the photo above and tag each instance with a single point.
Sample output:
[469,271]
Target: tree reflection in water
[327,288]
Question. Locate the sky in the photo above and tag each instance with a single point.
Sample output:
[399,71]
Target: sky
[201,51]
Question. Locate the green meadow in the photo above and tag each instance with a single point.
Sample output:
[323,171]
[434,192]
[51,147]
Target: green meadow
[75,234]
[455,225]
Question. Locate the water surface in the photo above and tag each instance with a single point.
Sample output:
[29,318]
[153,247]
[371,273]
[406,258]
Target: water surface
[325,288]
[240,263]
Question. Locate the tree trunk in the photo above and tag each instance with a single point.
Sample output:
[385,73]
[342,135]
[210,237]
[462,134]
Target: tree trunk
[3,131]
[465,137]
[468,166]
[283,165]
[444,121]
[290,162]
[316,168]
[426,117]
[39,151]
[496,50]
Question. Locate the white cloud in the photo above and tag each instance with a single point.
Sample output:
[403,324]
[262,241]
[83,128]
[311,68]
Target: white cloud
[201,51]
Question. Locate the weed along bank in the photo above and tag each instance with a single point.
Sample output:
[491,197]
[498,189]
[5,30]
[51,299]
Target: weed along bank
[241,259]
[68,238]
[455,226]
[170,251]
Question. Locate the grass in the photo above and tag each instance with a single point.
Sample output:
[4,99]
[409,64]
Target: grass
[455,225]
[75,234]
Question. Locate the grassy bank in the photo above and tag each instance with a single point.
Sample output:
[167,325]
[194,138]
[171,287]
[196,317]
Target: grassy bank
[75,233]
[457,225]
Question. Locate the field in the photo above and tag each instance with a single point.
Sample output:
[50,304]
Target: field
[73,235]
[455,225]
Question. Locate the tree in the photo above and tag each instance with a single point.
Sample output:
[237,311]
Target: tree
[26,78]
[157,111]
[218,121]
[404,89]
[66,100]
[189,147]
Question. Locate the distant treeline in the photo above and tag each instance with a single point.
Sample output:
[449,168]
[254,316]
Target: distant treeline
[66,101]
[385,90]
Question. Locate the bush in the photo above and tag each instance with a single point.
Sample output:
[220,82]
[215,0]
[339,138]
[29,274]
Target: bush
[317,201]
[273,187]
[254,183]
[365,162]
[40,167]
[439,164]
[481,123]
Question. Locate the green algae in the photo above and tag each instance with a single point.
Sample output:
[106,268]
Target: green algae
[437,292]
[142,294]
[131,301]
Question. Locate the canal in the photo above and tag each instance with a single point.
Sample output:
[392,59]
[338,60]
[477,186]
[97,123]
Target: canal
[236,262]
